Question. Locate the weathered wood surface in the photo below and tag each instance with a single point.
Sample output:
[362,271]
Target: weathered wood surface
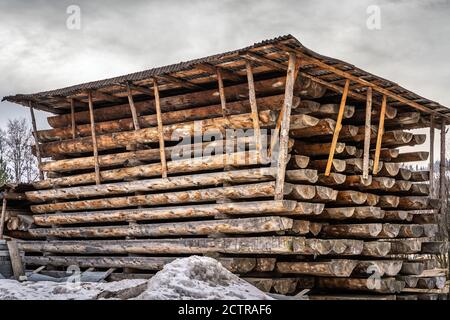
[352,230]
[412,157]
[304,87]
[188,228]
[234,264]
[385,285]
[380,268]
[320,165]
[189,165]
[170,183]
[146,121]
[376,249]
[247,191]
[332,268]
[286,207]
[359,213]
[302,176]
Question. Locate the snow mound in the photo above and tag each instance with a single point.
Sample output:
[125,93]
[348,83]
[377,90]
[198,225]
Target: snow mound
[199,278]
[193,278]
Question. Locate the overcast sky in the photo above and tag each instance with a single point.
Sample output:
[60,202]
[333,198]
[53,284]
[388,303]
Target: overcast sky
[38,52]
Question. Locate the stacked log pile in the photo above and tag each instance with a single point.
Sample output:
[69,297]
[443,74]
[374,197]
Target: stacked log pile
[340,235]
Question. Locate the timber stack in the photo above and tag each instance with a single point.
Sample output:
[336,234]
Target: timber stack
[291,172]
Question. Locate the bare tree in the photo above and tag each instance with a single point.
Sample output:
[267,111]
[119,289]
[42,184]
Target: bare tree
[4,176]
[19,156]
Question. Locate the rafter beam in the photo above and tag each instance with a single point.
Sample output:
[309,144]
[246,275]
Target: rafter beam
[181,82]
[227,74]
[264,61]
[351,77]
[134,87]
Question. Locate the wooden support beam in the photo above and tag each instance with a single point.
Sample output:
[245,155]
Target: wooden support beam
[160,130]
[254,110]
[104,96]
[72,118]
[140,89]
[133,108]
[367,133]
[285,115]
[380,135]
[3,217]
[443,232]
[431,165]
[181,82]
[36,141]
[337,128]
[94,139]
[16,260]
[264,61]
[223,99]
[359,80]
[225,73]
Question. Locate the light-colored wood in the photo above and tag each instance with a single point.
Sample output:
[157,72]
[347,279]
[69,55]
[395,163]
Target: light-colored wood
[380,135]
[254,108]
[285,115]
[223,98]
[94,139]
[134,114]
[442,172]
[36,141]
[337,128]
[3,217]
[367,132]
[431,164]
[16,259]
[160,130]
[72,119]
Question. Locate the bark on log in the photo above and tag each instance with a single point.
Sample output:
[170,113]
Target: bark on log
[388,201]
[412,268]
[334,179]
[188,228]
[302,176]
[364,231]
[420,176]
[350,198]
[320,165]
[376,249]
[412,157]
[385,285]
[170,183]
[381,268]
[195,211]
[298,162]
[332,268]
[418,203]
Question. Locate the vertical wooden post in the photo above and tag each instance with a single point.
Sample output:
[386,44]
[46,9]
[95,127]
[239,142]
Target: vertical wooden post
[36,141]
[133,108]
[72,118]
[338,128]
[162,152]
[254,108]
[442,167]
[376,162]
[431,165]
[284,131]
[94,138]
[3,216]
[16,260]
[367,131]
[223,100]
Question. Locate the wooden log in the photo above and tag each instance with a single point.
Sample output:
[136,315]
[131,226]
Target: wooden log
[411,282]
[16,259]
[345,247]
[320,165]
[381,268]
[284,208]
[331,110]
[401,186]
[352,297]
[430,230]
[350,198]
[360,115]
[385,285]
[372,199]
[359,213]
[387,154]
[316,149]
[36,141]
[379,184]
[188,165]
[412,268]
[302,176]
[323,127]
[268,87]
[380,134]
[404,119]
[420,176]
[355,166]
[324,194]
[404,174]
[94,141]
[376,249]
[137,157]
[411,231]
[227,226]
[285,118]
[177,182]
[263,284]
[160,129]
[298,162]
[389,169]
[284,286]
[367,133]
[415,156]
[234,264]
[389,231]
[247,191]
[364,231]
[397,215]
[248,245]
[265,264]
[302,192]
[357,181]
[388,201]
[418,203]
[300,227]
[3,217]
[334,179]
[431,161]
[332,268]
[405,246]
[20,223]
